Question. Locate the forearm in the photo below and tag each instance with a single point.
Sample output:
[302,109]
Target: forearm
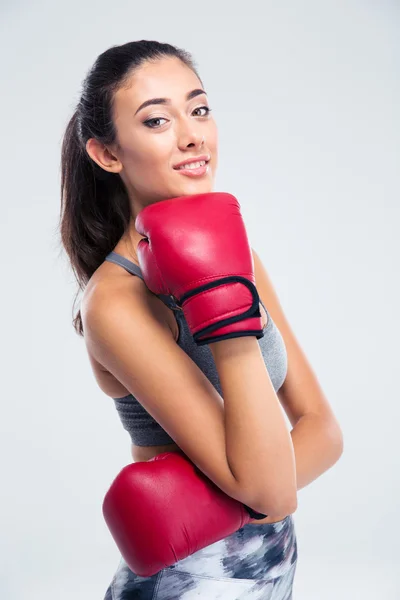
[318,444]
[258,444]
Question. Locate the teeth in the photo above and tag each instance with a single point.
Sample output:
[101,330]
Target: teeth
[193,165]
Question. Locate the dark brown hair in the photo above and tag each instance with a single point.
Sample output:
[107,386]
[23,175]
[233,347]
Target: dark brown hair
[95,210]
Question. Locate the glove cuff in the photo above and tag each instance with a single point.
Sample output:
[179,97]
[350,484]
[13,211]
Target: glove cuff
[209,321]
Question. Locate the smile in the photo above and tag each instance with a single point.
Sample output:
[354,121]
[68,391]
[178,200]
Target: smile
[193,165]
[194,169]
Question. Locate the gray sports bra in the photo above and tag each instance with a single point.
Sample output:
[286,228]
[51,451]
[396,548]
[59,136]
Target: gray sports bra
[142,428]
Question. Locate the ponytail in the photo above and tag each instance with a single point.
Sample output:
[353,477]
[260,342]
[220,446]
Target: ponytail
[95,210]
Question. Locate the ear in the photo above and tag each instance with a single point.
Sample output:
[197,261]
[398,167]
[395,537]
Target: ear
[103,156]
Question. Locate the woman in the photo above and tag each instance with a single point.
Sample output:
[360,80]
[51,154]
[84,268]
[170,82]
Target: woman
[142,113]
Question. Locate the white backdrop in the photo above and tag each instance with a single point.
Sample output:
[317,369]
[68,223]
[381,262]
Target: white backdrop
[306,97]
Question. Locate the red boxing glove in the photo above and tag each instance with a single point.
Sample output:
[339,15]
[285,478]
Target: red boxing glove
[196,249]
[161,510]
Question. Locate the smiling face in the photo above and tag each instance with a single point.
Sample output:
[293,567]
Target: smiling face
[154,138]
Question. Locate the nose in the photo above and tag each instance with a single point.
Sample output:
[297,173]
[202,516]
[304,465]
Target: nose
[191,139]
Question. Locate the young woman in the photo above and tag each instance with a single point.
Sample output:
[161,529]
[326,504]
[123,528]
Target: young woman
[143,133]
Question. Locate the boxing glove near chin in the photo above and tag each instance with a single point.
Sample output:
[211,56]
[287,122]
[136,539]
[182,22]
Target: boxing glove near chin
[196,249]
[161,510]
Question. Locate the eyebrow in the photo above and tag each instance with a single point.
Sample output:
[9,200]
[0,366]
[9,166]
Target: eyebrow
[189,96]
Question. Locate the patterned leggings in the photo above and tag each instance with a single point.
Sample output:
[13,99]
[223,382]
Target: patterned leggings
[256,562]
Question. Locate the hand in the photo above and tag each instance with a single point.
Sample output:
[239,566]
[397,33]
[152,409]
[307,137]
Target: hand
[196,249]
[164,509]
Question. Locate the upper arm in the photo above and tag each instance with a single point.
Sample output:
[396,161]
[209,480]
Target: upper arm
[125,337]
[301,392]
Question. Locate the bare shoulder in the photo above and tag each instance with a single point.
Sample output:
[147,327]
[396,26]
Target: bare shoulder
[111,286]
[112,293]
[110,279]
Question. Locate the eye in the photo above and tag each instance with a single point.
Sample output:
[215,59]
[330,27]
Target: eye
[207,108]
[149,122]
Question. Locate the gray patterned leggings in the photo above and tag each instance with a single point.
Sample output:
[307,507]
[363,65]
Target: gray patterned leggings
[256,562]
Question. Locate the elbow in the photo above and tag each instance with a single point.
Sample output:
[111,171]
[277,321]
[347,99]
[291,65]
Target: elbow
[277,507]
[284,508]
[339,442]
[336,441]
[278,512]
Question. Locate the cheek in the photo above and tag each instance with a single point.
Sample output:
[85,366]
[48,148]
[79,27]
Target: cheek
[143,150]
[148,159]
[156,154]
[213,146]
[213,140]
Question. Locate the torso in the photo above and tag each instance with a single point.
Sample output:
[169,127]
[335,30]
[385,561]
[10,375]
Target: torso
[109,384]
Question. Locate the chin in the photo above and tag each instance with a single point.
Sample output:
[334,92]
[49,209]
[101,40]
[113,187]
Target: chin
[197,187]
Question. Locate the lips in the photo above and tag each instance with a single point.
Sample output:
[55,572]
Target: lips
[187,161]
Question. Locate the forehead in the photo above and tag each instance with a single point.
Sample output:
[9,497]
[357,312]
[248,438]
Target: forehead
[165,78]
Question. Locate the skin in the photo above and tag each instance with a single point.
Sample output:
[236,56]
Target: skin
[144,156]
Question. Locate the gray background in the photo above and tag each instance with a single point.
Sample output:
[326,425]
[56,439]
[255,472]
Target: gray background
[306,96]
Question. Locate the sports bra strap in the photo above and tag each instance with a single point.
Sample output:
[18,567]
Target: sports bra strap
[124,262]
[130,266]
